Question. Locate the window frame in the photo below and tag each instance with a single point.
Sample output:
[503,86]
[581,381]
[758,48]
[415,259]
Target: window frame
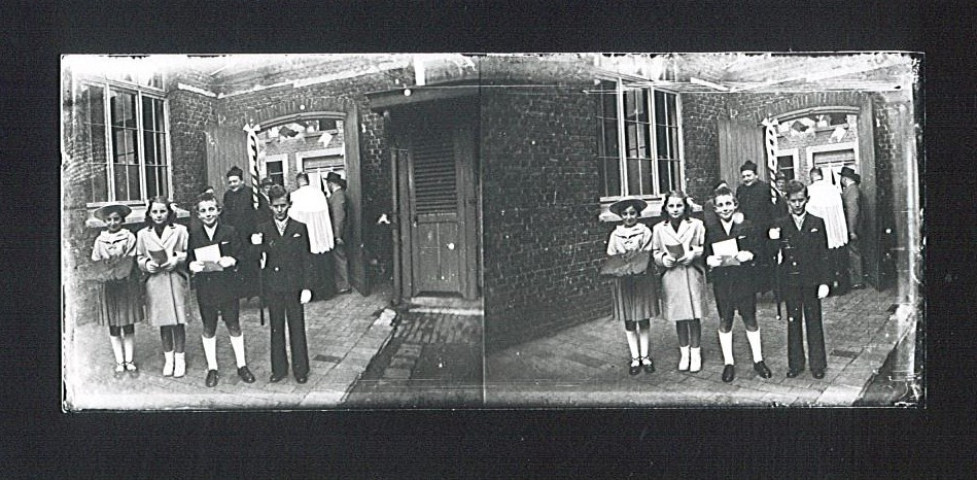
[623,85]
[109,86]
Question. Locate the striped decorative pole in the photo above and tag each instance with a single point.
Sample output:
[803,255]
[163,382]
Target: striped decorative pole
[770,137]
[252,132]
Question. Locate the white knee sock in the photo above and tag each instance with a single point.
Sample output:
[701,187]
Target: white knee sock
[754,338]
[726,343]
[238,344]
[210,351]
[127,342]
[117,348]
[643,342]
[633,343]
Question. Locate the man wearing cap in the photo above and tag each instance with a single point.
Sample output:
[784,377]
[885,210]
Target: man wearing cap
[337,213]
[754,198]
[851,197]
[264,213]
[239,212]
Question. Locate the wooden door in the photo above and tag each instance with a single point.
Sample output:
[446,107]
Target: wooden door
[739,142]
[226,147]
[354,203]
[874,235]
[442,250]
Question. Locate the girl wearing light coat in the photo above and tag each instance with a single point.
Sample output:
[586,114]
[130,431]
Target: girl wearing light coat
[684,280]
[167,284]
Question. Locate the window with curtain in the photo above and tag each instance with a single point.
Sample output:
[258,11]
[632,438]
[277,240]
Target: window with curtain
[639,144]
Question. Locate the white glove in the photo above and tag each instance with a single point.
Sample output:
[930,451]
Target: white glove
[743,256]
[305,296]
[196,267]
[256,239]
[227,262]
[774,233]
[713,261]
[822,291]
[152,267]
[668,261]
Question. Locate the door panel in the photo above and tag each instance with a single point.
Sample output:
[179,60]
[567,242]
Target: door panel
[739,142]
[354,198]
[434,188]
[226,147]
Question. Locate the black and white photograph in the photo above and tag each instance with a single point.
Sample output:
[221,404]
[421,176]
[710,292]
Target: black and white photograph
[503,231]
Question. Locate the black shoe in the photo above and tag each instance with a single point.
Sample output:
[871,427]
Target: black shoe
[818,374]
[245,374]
[649,367]
[301,378]
[793,373]
[729,373]
[762,370]
[212,378]
[277,378]
[634,369]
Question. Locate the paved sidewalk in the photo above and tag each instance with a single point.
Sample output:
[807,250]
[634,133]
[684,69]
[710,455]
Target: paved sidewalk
[434,360]
[343,334]
[587,365]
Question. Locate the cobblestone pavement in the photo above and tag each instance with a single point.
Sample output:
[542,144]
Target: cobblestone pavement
[343,334]
[587,365]
[433,360]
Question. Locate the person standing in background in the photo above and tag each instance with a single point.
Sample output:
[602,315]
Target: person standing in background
[337,212]
[852,200]
[239,212]
[310,206]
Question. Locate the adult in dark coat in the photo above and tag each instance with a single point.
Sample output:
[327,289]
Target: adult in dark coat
[217,288]
[337,213]
[852,199]
[754,197]
[804,277]
[734,279]
[239,212]
[288,281]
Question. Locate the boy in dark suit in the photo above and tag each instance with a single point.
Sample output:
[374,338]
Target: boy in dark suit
[733,277]
[288,278]
[804,276]
[217,287]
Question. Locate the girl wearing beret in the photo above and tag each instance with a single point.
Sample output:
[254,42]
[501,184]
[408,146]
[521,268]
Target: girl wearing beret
[118,292]
[635,296]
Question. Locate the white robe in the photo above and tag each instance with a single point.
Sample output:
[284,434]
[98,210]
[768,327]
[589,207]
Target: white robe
[309,206]
[825,202]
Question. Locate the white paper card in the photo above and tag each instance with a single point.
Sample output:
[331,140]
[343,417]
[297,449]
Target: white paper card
[726,248]
[210,253]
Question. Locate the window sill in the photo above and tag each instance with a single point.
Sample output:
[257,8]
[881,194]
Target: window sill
[138,216]
[652,211]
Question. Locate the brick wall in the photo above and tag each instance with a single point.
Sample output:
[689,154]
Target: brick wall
[701,141]
[190,115]
[543,242]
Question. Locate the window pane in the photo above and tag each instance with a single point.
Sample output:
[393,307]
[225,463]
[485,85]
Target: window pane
[148,122]
[121,184]
[612,177]
[661,138]
[133,182]
[672,110]
[642,150]
[660,107]
[630,139]
[673,143]
[610,139]
[161,149]
[123,109]
[639,177]
[152,189]
[150,150]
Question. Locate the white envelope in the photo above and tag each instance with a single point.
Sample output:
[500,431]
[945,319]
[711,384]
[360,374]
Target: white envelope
[726,248]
